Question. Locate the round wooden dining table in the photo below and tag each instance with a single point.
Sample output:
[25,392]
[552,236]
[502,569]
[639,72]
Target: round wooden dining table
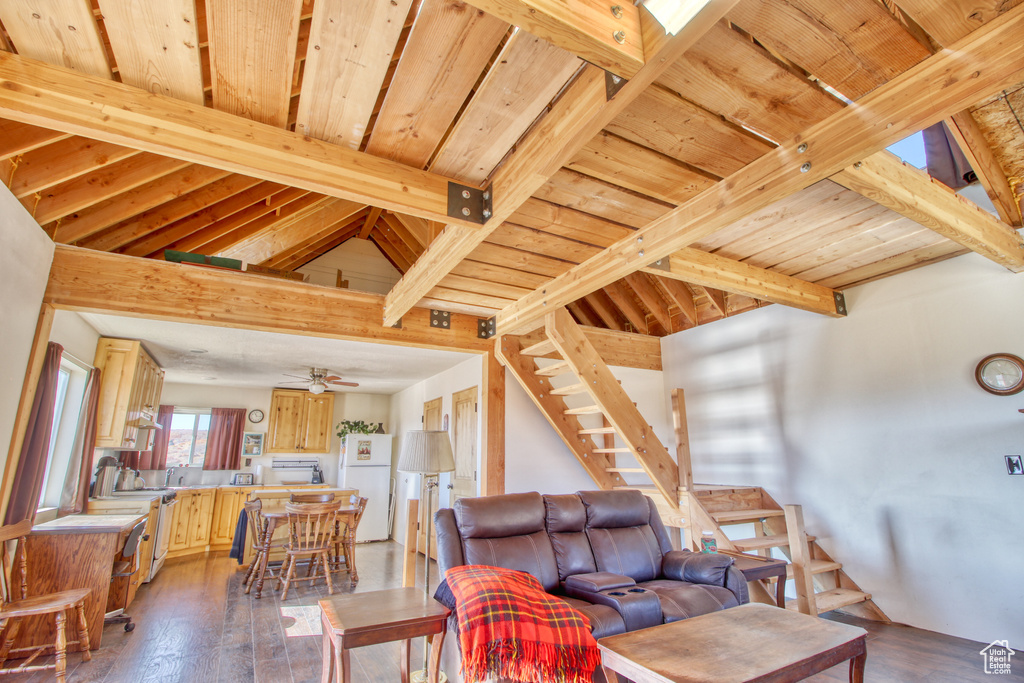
[276,516]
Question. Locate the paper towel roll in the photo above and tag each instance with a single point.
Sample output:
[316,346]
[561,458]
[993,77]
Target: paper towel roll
[259,474]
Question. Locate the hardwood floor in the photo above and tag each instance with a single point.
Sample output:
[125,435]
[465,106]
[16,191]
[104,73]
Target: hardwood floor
[195,625]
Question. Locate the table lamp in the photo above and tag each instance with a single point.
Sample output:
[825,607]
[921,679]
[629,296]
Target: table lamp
[428,453]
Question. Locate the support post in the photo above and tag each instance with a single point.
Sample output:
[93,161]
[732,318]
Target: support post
[411,536]
[492,457]
[800,557]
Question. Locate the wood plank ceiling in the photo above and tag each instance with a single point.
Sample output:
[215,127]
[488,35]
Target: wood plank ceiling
[441,86]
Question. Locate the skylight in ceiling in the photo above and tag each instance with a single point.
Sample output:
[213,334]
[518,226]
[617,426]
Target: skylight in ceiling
[911,150]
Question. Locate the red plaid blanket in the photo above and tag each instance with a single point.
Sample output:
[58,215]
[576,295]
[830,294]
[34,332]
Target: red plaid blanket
[510,627]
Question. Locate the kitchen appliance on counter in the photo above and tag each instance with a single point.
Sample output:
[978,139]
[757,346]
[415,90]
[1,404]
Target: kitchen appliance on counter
[128,480]
[365,464]
[106,477]
[163,525]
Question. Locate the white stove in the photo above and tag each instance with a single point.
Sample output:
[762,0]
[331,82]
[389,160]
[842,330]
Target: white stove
[163,524]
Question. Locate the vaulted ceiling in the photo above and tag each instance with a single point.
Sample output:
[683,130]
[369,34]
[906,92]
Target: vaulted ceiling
[456,91]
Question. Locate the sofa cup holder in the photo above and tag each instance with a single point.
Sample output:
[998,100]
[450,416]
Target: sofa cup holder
[637,590]
[618,593]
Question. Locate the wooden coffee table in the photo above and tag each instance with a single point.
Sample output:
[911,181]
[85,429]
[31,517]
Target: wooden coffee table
[752,642]
[360,619]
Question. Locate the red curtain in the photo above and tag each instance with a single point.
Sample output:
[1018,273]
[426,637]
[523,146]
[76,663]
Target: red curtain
[224,446]
[156,459]
[76,482]
[28,478]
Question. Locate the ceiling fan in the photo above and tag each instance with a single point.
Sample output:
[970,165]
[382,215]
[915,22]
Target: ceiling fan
[318,380]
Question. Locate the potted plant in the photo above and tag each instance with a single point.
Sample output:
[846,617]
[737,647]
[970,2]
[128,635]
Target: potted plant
[346,427]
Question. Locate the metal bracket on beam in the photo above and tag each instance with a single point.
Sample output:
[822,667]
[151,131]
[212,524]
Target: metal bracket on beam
[612,84]
[840,303]
[469,203]
[486,328]
[662,264]
[442,319]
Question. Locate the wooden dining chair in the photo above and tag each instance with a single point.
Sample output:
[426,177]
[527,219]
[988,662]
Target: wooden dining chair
[310,535]
[341,561]
[16,605]
[312,498]
[261,546]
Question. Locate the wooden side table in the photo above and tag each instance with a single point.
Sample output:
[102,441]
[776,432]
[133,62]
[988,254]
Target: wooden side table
[756,568]
[359,619]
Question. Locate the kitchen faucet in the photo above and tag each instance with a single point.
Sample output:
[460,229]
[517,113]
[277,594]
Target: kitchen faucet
[167,479]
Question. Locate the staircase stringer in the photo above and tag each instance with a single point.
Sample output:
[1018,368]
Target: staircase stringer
[509,351]
[866,609]
[602,386]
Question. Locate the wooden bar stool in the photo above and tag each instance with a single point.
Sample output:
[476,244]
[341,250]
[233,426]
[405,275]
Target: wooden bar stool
[262,544]
[311,535]
[341,560]
[13,609]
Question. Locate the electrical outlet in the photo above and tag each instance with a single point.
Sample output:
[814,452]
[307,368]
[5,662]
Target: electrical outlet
[1014,464]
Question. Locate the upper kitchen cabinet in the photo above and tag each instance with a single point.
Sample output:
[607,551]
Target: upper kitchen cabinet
[130,386]
[300,422]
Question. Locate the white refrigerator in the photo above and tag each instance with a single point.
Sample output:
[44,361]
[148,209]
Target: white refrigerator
[365,464]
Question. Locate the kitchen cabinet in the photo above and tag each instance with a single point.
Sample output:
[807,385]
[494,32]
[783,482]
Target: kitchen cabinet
[300,422]
[225,516]
[130,386]
[191,522]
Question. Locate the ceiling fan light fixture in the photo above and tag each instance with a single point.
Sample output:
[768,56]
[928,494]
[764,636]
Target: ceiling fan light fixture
[317,388]
[674,14]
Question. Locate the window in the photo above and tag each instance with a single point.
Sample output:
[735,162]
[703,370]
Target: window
[190,429]
[67,406]
[911,150]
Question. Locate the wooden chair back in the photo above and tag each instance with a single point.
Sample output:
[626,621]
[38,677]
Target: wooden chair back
[312,498]
[360,504]
[257,524]
[13,565]
[311,525]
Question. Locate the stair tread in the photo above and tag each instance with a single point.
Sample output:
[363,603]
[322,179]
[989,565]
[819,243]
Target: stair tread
[761,542]
[597,430]
[612,450]
[817,567]
[559,368]
[625,469]
[585,410]
[829,600]
[539,349]
[569,390]
[736,516]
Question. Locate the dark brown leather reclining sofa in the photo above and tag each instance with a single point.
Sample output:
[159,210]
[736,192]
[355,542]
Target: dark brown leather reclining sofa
[604,552]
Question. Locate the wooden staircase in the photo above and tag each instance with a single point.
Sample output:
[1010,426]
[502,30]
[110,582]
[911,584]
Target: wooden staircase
[581,399]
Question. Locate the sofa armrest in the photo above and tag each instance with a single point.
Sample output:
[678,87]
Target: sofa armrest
[685,565]
[595,582]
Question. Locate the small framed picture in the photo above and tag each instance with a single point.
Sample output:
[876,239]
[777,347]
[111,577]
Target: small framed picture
[363,450]
[243,479]
[252,444]
[1014,465]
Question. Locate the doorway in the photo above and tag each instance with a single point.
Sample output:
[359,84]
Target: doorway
[464,440]
[431,422]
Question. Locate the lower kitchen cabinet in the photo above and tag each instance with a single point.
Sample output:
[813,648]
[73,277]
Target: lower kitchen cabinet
[225,517]
[191,523]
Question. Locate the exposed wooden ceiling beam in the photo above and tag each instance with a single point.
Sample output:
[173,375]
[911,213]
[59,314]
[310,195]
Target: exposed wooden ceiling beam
[316,251]
[128,231]
[18,138]
[371,220]
[347,225]
[972,142]
[623,299]
[716,298]
[711,270]
[581,112]
[290,230]
[54,97]
[987,60]
[651,298]
[883,178]
[57,163]
[283,208]
[586,29]
[87,280]
[680,295]
[606,310]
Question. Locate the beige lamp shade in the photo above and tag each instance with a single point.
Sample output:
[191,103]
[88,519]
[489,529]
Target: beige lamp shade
[426,452]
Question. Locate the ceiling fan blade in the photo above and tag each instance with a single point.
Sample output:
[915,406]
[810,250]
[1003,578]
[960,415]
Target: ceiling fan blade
[295,381]
[345,384]
[304,379]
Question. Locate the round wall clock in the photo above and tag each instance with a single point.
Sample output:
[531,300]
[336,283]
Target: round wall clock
[256,416]
[1001,374]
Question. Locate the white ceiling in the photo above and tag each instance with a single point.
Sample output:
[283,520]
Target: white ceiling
[193,354]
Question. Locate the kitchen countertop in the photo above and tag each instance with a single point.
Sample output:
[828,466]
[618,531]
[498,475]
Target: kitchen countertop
[89,524]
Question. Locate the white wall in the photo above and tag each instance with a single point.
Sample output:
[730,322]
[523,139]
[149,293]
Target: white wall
[406,415]
[347,406]
[359,261]
[78,337]
[25,259]
[874,423]
[536,459]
